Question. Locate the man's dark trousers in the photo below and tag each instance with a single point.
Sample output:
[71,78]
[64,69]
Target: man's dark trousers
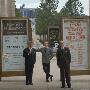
[65,74]
[46,68]
[29,74]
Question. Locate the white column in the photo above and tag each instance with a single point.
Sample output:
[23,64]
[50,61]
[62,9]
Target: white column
[6,9]
[13,8]
[0,7]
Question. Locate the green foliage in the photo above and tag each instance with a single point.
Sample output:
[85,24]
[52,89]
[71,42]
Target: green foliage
[45,15]
[72,8]
[17,13]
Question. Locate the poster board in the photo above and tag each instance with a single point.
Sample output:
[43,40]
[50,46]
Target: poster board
[75,36]
[14,37]
[0,50]
[53,36]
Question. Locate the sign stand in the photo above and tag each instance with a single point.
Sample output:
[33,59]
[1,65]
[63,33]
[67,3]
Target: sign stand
[76,37]
[15,32]
[54,36]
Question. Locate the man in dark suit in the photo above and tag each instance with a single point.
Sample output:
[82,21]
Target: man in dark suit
[63,61]
[30,58]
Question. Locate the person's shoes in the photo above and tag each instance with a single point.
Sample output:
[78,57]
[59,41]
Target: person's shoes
[51,77]
[69,86]
[27,83]
[47,80]
[62,86]
[31,83]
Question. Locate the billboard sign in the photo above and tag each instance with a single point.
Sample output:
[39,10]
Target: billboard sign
[75,36]
[14,40]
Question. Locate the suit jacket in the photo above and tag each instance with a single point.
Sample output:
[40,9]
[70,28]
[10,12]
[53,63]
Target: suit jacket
[30,57]
[63,56]
[47,55]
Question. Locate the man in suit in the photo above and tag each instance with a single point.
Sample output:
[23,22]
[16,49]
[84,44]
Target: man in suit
[63,61]
[46,57]
[30,58]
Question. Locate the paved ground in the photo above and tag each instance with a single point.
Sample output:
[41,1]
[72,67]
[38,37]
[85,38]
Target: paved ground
[18,83]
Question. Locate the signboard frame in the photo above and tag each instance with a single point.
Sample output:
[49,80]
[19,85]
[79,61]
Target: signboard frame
[84,71]
[51,28]
[29,35]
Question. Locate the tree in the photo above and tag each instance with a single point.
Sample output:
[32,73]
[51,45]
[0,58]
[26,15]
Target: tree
[72,8]
[17,13]
[45,14]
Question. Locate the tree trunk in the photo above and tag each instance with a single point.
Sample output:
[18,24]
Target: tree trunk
[40,37]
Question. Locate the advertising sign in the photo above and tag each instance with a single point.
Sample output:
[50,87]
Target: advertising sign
[14,41]
[53,35]
[75,36]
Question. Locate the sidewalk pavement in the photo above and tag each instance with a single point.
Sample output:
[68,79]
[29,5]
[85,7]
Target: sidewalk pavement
[18,82]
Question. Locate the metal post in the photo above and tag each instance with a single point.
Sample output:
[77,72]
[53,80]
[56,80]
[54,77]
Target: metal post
[0,79]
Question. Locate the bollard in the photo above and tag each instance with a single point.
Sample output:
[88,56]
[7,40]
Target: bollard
[0,79]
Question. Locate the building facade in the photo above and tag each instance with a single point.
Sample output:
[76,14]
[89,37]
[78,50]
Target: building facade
[30,12]
[7,8]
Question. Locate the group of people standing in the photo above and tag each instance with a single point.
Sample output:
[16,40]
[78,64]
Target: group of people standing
[63,62]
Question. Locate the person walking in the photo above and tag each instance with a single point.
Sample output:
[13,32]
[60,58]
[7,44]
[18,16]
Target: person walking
[63,61]
[47,55]
[30,58]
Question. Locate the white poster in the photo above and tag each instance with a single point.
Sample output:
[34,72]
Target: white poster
[13,46]
[75,36]
[14,41]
